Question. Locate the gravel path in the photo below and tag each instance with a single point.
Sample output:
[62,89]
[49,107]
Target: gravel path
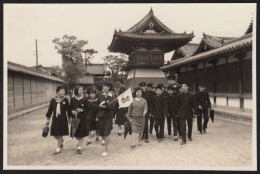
[226,144]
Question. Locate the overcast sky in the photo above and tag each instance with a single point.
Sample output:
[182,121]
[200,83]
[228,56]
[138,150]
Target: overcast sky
[23,23]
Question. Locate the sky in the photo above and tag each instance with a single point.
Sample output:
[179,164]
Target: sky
[23,23]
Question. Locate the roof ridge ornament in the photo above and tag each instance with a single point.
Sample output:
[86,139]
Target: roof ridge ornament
[151,10]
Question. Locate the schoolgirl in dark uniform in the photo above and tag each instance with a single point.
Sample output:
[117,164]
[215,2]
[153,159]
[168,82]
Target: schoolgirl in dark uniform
[59,110]
[78,109]
[105,114]
[92,108]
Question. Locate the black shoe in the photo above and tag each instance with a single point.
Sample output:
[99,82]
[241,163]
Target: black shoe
[190,139]
[119,134]
[182,143]
[97,139]
[132,147]
[56,153]
[146,141]
[79,151]
[61,146]
[88,143]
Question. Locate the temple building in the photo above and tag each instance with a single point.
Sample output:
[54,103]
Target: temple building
[224,64]
[145,44]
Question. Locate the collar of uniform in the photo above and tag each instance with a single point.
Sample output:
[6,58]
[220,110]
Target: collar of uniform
[79,97]
[92,100]
[109,94]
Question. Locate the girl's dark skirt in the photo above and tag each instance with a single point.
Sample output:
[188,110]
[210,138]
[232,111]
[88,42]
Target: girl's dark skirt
[83,128]
[92,123]
[59,126]
[105,126]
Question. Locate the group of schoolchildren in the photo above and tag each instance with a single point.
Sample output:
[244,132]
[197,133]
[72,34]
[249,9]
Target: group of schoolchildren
[152,105]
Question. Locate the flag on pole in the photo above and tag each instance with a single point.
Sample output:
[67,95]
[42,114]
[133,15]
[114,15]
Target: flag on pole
[125,99]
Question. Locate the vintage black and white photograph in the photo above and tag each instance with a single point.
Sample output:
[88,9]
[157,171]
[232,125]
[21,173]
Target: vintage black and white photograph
[130,86]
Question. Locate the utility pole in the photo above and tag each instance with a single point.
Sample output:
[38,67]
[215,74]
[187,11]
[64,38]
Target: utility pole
[36,54]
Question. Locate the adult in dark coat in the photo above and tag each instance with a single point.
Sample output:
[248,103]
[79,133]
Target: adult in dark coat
[159,110]
[78,109]
[107,105]
[145,96]
[150,93]
[187,111]
[204,105]
[60,113]
[173,111]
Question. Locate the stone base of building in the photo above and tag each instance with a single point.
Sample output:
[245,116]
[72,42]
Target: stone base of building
[148,75]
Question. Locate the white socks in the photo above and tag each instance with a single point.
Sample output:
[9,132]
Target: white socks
[58,149]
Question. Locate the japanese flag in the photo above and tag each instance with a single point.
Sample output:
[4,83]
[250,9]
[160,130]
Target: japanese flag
[125,99]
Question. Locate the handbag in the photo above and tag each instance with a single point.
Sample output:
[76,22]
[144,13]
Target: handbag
[45,131]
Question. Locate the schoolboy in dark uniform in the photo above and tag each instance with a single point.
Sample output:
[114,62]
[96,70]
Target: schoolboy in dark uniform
[173,112]
[187,111]
[203,102]
[159,110]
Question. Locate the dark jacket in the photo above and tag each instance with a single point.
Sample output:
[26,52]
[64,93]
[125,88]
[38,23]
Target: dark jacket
[173,105]
[202,99]
[149,97]
[187,105]
[110,107]
[159,106]
[78,103]
[92,108]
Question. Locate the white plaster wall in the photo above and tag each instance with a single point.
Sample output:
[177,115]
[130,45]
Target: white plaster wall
[249,55]
[183,69]
[221,61]
[211,100]
[248,103]
[234,102]
[190,68]
[200,65]
[221,101]
[130,74]
[208,64]
[232,59]
[142,49]
[149,73]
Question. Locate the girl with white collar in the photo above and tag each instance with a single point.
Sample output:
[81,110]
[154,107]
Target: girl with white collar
[78,109]
[59,110]
[107,105]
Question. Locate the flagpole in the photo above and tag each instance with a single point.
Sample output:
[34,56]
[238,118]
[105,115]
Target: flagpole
[113,101]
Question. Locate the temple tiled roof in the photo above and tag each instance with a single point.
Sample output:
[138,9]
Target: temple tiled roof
[244,42]
[209,42]
[250,28]
[154,36]
[29,71]
[85,80]
[144,22]
[185,51]
[149,29]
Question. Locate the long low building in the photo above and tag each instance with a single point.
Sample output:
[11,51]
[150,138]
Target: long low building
[28,87]
[223,64]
